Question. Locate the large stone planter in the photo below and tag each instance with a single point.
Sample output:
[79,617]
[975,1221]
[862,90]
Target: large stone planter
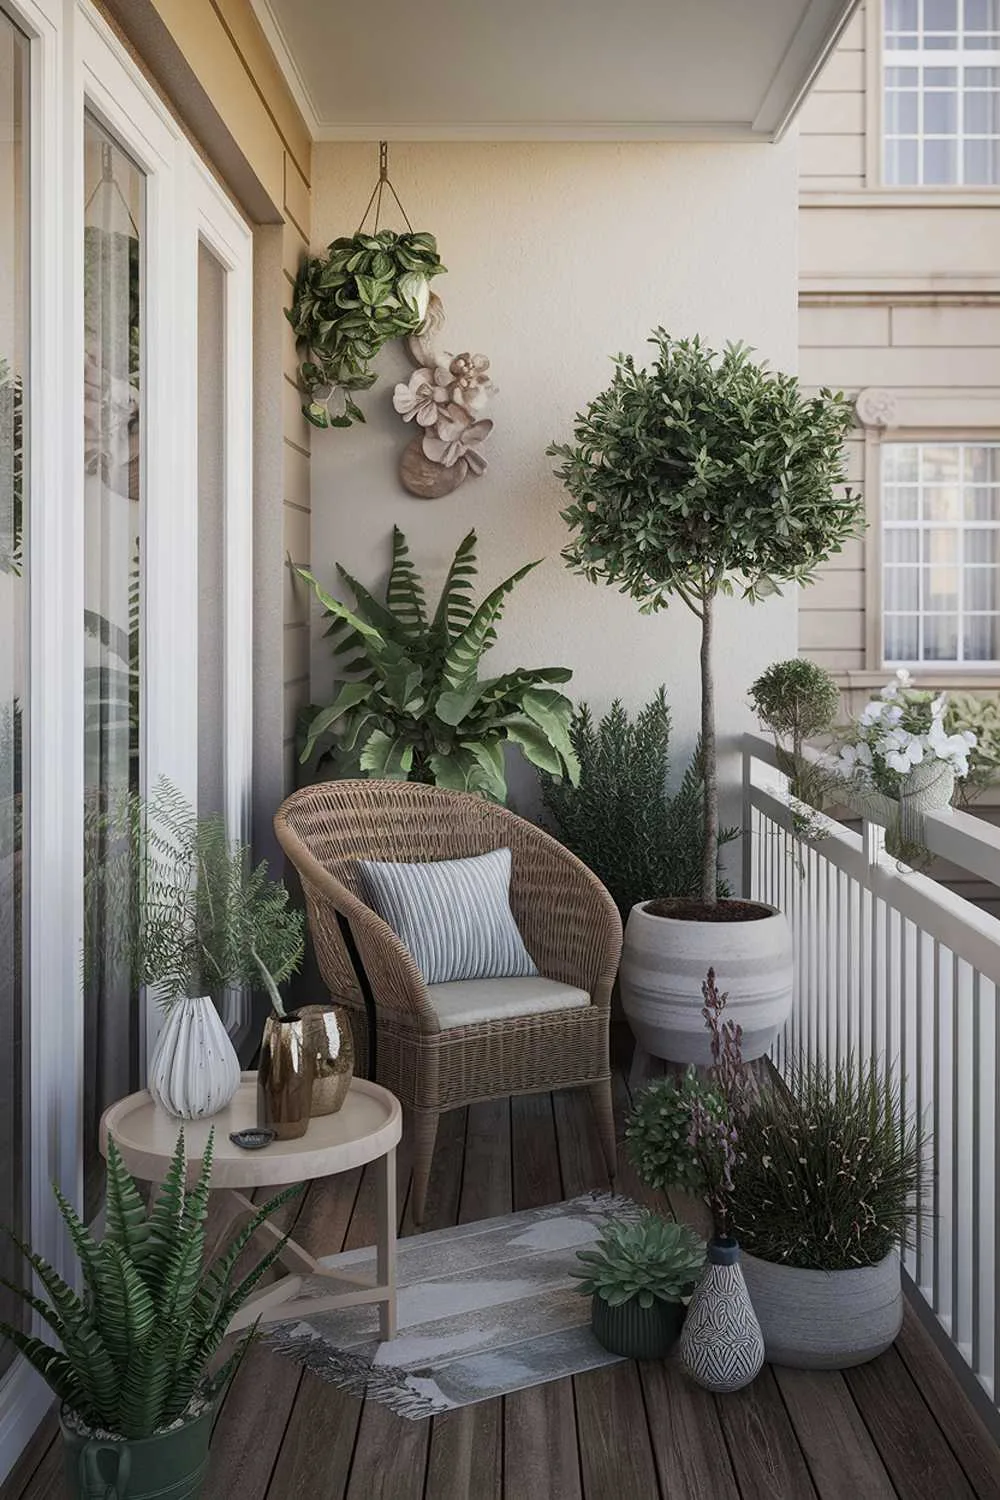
[825,1320]
[664,963]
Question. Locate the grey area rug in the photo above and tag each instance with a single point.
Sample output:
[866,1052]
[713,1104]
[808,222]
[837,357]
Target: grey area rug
[483,1309]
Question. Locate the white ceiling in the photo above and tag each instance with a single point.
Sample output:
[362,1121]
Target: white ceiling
[550,69]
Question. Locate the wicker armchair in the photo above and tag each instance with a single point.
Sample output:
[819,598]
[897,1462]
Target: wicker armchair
[568,921]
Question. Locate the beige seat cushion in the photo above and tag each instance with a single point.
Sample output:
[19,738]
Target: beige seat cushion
[467,1002]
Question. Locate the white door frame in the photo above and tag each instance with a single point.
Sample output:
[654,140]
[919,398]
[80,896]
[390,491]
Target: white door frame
[77,62]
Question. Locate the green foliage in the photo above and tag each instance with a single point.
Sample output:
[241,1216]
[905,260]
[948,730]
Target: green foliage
[11,471]
[831,1169]
[137,1346]
[702,470]
[181,904]
[649,1259]
[797,700]
[700,474]
[366,290]
[982,716]
[619,818]
[658,1132]
[415,707]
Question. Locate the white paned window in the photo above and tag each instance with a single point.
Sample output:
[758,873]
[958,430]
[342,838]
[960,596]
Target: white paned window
[941,553]
[941,95]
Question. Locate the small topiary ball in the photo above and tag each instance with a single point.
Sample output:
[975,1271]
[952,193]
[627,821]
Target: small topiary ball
[796,698]
[658,1133]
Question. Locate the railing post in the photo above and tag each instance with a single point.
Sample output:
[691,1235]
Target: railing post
[747,851]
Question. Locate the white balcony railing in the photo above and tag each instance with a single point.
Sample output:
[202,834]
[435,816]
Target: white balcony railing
[893,965]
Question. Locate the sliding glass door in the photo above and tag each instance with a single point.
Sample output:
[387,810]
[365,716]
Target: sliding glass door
[113,277]
[14,683]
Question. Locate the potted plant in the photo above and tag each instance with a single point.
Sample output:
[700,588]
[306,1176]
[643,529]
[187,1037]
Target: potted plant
[619,817]
[348,303]
[419,710]
[689,479]
[133,1359]
[797,701]
[900,761]
[638,1277]
[827,1189]
[184,910]
[722,1347]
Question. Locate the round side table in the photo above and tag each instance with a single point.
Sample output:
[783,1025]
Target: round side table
[366,1129]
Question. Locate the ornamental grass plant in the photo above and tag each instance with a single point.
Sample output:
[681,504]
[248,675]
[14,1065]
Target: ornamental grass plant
[831,1169]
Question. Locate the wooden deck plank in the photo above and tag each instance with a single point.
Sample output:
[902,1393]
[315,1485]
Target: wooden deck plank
[914,1450]
[762,1444]
[390,1455]
[843,1460]
[689,1448]
[541,1458]
[465,1460]
[616,1456]
[967,1435]
[314,1460]
[540,1447]
[581,1160]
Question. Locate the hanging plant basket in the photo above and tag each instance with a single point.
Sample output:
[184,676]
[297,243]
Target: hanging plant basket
[367,289]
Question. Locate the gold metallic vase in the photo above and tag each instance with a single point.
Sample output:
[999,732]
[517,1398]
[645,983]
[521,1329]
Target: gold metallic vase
[285,1077]
[329,1038]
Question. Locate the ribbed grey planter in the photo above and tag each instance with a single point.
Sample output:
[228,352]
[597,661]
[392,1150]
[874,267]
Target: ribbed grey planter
[634,1331]
[825,1320]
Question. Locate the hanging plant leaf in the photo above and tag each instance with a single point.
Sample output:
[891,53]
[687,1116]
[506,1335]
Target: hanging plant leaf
[347,304]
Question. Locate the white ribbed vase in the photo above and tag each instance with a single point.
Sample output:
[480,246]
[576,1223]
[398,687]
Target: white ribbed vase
[664,963]
[195,1071]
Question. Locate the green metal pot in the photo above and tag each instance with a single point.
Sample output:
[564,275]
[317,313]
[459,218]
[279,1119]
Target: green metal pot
[170,1466]
[634,1331]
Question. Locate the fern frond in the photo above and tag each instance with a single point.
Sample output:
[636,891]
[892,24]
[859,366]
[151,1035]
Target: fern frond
[125,1212]
[454,610]
[55,1368]
[404,592]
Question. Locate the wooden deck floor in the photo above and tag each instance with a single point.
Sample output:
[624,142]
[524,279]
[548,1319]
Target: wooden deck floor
[898,1427]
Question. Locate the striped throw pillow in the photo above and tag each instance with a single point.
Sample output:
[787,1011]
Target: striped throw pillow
[453,915]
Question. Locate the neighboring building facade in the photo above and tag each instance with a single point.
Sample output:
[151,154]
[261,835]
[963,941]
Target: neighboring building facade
[899,295]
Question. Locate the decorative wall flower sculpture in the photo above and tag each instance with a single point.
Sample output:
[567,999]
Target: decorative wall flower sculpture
[444,397]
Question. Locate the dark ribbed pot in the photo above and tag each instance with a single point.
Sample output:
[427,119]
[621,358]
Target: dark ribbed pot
[634,1331]
[170,1466]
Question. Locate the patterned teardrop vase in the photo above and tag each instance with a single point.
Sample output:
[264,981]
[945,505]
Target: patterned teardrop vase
[721,1346]
[195,1071]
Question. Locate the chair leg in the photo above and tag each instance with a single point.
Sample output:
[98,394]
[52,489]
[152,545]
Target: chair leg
[601,1099]
[424,1125]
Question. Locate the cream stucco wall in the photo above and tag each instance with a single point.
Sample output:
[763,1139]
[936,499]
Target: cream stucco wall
[559,256]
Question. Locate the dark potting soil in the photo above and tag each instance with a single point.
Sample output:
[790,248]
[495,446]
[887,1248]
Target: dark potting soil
[683,909]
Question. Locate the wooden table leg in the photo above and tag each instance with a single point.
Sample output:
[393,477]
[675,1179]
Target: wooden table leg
[386,1247]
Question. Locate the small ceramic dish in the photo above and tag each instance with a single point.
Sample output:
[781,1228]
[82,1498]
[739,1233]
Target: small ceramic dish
[253,1140]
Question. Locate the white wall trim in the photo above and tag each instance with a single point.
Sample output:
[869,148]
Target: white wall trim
[903,197]
[817,34]
[273,31]
[545,130]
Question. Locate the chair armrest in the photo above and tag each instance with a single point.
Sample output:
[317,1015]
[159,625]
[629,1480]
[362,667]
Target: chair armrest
[396,982]
[569,922]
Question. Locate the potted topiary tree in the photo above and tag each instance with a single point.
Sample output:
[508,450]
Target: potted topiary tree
[639,1276]
[134,1371]
[692,478]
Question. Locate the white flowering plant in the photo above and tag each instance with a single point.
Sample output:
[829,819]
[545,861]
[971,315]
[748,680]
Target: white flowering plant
[904,727]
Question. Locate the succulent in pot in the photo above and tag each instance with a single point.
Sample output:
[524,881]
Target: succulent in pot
[639,1276]
[135,1360]
[827,1190]
[702,475]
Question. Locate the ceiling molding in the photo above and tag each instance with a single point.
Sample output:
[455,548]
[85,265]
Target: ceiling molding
[286,62]
[544,130]
[816,35]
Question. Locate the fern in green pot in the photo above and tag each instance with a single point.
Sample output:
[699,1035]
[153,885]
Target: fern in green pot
[135,1358]
[414,706]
